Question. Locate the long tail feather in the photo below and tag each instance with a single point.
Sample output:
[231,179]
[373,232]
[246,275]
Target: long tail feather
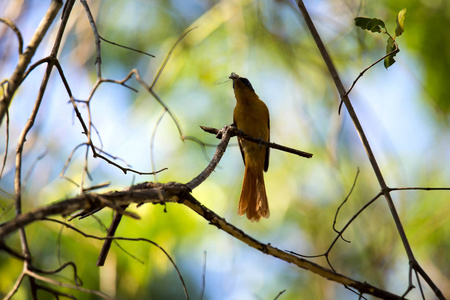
[253,199]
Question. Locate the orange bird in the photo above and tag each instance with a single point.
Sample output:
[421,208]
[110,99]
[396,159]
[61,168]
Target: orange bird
[252,117]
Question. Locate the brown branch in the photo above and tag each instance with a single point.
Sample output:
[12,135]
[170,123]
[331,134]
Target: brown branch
[241,134]
[384,188]
[25,58]
[227,130]
[420,189]
[111,232]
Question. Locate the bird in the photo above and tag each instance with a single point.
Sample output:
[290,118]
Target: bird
[251,116]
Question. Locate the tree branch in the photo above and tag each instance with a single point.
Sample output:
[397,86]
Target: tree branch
[384,188]
[241,134]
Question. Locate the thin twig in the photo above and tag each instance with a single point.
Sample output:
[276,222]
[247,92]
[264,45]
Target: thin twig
[343,202]
[125,47]
[420,189]
[151,90]
[152,142]
[6,145]
[61,284]
[393,52]
[56,293]
[241,134]
[25,58]
[203,276]
[279,294]
[16,30]
[76,279]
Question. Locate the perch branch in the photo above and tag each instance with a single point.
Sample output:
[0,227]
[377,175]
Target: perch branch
[241,134]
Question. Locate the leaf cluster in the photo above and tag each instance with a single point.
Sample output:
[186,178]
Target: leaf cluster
[378,25]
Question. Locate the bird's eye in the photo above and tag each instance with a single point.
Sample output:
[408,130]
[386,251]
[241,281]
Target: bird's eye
[247,83]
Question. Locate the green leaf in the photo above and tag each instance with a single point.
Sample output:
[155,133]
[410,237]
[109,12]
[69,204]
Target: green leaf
[371,24]
[362,22]
[400,22]
[389,60]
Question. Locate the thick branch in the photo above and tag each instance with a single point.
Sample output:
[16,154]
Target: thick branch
[140,193]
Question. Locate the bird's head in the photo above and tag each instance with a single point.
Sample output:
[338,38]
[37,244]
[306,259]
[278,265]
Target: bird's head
[243,89]
[240,82]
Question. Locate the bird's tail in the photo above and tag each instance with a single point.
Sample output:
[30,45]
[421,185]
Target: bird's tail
[253,200]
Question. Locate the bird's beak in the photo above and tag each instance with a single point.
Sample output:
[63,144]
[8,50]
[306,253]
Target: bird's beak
[234,76]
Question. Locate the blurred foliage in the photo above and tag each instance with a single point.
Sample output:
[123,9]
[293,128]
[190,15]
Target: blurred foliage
[267,42]
[431,47]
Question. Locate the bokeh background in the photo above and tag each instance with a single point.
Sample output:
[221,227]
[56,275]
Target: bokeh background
[404,112]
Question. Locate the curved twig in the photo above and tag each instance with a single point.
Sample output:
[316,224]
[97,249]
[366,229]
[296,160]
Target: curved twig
[8,22]
[340,206]
[393,52]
